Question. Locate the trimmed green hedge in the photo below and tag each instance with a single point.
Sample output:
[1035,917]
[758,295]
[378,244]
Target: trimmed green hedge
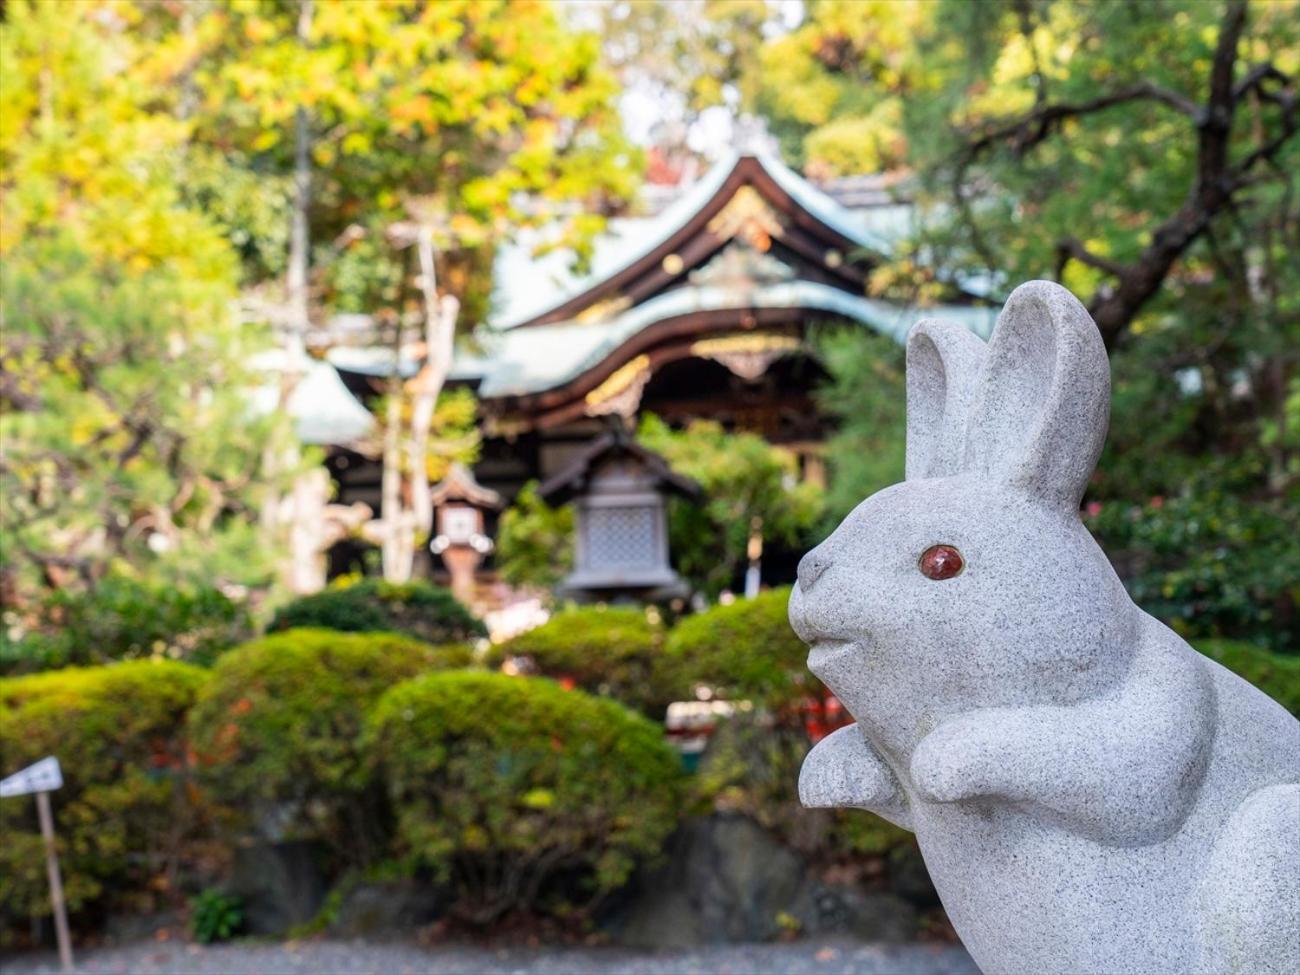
[277,728]
[745,650]
[613,652]
[523,795]
[418,609]
[1275,675]
[124,814]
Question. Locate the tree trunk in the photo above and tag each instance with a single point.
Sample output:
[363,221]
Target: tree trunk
[292,513]
[393,517]
[299,231]
[439,333]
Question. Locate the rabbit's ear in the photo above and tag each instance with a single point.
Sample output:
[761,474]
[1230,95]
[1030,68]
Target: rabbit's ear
[1043,397]
[943,362]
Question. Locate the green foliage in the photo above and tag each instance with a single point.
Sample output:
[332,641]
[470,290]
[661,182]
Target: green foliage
[125,619]
[126,814]
[1209,563]
[277,727]
[471,118]
[744,651]
[525,796]
[124,408]
[1276,675]
[867,398]
[418,609]
[534,541]
[610,651]
[748,484]
[701,51]
[833,90]
[215,916]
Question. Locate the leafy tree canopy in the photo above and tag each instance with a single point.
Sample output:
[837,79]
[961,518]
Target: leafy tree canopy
[128,434]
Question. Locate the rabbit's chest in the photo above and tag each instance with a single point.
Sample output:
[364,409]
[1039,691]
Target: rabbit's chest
[1026,895]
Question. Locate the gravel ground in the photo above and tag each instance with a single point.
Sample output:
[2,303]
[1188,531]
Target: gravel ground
[815,957]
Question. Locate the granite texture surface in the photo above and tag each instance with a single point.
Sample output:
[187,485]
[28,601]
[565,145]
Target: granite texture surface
[1090,794]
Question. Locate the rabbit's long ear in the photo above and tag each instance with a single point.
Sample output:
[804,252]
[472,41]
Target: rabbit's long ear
[1043,397]
[943,362]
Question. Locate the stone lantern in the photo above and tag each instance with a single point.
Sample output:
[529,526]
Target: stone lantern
[459,503]
[618,489]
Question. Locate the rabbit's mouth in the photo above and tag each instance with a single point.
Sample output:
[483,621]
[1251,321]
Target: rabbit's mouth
[827,655]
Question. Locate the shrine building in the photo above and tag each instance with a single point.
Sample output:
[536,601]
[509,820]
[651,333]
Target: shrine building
[702,310]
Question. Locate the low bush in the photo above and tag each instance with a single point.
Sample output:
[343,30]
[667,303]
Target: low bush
[215,916]
[123,619]
[612,652]
[1275,675]
[418,609]
[276,729]
[125,817]
[525,796]
[745,650]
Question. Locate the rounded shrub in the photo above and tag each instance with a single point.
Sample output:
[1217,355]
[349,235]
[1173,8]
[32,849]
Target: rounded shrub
[609,651]
[525,796]
[276,729]
[418,609]
[744,650]
[125,819]
[1276,675]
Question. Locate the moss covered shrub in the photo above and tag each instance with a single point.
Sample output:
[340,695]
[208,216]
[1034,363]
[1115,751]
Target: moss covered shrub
[745,650]
[418,609]
[1276,675]
[276,729]
[525,796]
[126,816]
[609,651]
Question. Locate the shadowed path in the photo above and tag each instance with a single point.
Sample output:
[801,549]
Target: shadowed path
[813,957]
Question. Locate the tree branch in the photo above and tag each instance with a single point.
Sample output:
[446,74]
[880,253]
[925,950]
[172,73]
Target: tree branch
[1042,122]
[1216,178]
[1070,248]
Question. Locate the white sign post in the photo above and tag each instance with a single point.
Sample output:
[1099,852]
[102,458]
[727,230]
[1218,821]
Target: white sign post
[41,779]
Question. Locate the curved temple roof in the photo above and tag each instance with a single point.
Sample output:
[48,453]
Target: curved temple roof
[751,243]
[529,286]
[530,360]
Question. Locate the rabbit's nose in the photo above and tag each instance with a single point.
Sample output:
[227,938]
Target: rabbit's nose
[811,566]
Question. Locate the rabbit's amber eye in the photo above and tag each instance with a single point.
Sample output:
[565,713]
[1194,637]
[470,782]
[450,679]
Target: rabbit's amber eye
[940,562]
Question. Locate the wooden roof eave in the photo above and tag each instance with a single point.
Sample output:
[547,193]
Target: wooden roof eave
[571,481]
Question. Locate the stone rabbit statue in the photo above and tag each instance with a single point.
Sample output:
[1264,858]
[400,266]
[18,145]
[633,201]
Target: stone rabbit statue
[1090,794]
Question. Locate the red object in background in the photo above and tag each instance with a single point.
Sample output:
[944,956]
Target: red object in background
[663,170]
[823,715]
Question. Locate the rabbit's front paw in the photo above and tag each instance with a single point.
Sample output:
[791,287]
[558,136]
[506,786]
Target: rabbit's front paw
[960,759]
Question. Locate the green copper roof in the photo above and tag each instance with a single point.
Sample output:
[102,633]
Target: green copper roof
[531,360]
[528,284]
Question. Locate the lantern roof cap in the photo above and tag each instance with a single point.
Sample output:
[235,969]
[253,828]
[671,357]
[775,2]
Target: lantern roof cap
[461,485]
[616,442]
